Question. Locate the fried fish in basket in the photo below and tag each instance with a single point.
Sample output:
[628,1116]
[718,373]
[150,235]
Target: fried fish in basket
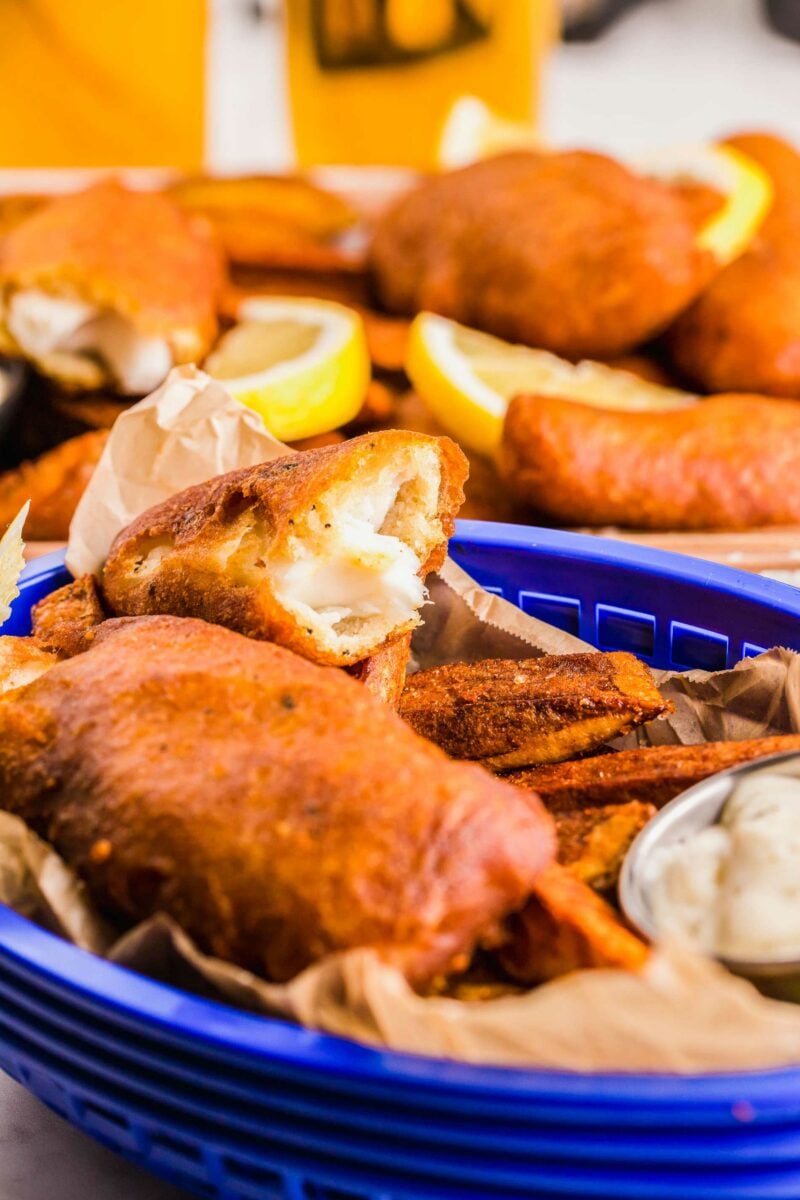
[506,713]
[272,807]
[325,552]
[109,287]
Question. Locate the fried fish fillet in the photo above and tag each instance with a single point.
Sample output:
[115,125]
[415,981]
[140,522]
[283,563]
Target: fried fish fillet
[652,775]
[743,333]
[109,287]
[565,926]
[64,621]
[728,462]
[569,252]
[54,483]
[273,808]
[506,713]
[592,842]
[325,552]
[384,673]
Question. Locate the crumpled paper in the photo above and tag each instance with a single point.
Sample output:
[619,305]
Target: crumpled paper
[185,432]
[665,1018]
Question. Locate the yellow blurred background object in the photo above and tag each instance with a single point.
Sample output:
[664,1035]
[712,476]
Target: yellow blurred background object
[102,83]
[372,81]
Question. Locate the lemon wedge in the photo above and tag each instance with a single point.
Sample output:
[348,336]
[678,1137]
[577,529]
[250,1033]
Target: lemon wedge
[743,182]
[467,379]
[471,131]
[302,364]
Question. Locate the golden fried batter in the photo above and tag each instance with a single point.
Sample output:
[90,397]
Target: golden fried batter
[109,286]
[565,926]
[272,807]
[653,775]
[508,713]
[324,552]
[743,333]
[592,842]
[61,621]
[54,483]
[729,462]
[570,252]
[21,661]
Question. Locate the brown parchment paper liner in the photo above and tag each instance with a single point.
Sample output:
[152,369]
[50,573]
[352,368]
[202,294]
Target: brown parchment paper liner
[682,1013]
[185,432]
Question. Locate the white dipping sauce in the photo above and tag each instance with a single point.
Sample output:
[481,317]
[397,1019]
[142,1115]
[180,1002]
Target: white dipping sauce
[733,890]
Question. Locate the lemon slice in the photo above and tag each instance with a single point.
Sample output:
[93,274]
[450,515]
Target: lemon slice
[472,130]
[467,379]
[302,364]
[745,184]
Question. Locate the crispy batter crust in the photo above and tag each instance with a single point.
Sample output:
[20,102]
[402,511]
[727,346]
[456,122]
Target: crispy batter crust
[743,333]
[653,775]
[133,252]
[384,674]
[54,483]
[21,661]
[507,713]
[64,622]
[569,252]
[197,575]
[566,927]
[270,806]
[690,468]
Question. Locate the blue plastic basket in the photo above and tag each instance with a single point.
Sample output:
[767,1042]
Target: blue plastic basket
[238,1106]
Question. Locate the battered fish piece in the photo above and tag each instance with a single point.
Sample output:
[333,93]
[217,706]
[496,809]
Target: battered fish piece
[325,552]
[568,252]
[653,775]
[64,622]
[728,462]
[507,713]
[271,807]
[384,673]
[567,927]
[743,333]
[109,287]
[54,483]
[592,842]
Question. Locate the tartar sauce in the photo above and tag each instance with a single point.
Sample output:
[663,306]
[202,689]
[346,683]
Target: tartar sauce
[733,890]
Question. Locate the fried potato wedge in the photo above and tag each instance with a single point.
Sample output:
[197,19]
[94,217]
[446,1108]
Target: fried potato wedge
[652,775]
[54,483]
[288,200]
[592,842]
[506,713]
[564,927]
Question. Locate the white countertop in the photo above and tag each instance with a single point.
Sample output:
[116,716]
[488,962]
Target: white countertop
[672,72]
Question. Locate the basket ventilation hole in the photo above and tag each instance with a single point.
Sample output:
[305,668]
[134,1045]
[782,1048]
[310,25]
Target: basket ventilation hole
[562,611]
